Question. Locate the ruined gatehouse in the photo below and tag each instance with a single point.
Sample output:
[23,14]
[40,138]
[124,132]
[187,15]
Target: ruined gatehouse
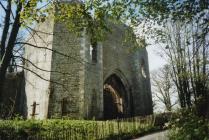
[68,75]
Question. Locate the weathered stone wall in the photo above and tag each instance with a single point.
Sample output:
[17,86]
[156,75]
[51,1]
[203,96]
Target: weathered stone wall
[117,59]
[114,56]
[38,69]
[67,95]
[120,60]
[93,81]
[141,83]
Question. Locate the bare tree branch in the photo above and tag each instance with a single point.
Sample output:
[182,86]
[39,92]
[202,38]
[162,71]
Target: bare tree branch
[51,81]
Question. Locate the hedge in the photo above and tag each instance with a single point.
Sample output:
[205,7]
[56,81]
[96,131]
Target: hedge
[66,129]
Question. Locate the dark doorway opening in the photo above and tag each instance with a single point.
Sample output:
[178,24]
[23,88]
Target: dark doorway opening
[115,98]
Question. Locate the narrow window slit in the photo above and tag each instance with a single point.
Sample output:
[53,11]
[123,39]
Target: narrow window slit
[93,50]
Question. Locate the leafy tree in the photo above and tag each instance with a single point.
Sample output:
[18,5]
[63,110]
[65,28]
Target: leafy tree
[187,52]
[184,28]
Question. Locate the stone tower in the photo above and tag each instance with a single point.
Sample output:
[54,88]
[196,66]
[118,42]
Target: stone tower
[67,75]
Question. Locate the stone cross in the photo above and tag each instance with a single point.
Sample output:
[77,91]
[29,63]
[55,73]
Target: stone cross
[34,109]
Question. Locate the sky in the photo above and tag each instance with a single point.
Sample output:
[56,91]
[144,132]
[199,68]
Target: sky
[153,49]
[155,61]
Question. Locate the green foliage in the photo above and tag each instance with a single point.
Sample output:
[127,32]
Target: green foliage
[78,129]
[78,16]
[187,126]
[31,12]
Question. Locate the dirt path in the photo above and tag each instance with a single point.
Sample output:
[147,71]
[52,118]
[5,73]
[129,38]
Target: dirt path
[155,136]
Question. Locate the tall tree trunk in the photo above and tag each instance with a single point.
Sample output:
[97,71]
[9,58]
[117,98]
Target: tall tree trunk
[6,29]
[9,49]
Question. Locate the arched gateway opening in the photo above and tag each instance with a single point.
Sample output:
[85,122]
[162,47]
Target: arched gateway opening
[115,98]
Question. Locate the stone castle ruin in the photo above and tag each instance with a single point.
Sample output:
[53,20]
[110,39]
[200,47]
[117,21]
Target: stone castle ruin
[67,75]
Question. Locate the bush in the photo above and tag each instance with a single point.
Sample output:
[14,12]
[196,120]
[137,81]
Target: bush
[188,126]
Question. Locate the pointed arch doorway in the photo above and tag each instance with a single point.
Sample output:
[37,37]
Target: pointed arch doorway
[115,98]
